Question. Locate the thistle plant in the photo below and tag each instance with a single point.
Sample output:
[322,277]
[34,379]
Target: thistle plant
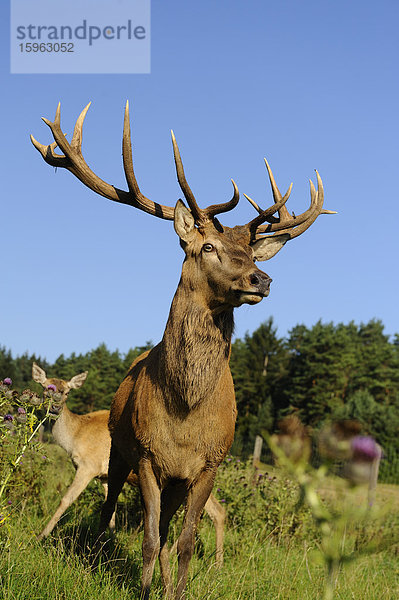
[292,449]
[21,417]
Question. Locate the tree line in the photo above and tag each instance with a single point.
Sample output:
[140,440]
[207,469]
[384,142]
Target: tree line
[323,372]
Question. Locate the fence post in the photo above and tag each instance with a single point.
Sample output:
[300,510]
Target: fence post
[374,476]
[257,451]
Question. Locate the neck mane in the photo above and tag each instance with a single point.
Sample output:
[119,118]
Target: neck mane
[195,350]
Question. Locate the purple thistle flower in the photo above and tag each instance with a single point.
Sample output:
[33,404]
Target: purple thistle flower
[9,502]
[7,381]
[222,500]
[21,416]
[8,417]
[365,448]
[52,387]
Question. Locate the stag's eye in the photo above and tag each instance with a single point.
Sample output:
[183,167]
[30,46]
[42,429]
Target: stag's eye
[207,247]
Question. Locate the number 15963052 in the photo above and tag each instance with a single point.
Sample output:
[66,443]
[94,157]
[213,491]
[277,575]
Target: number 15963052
[46,47]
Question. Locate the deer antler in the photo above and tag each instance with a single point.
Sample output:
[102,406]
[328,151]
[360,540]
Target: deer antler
[72,160]
[201,215]
[286,223]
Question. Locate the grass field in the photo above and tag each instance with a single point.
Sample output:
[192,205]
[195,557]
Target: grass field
[261,562]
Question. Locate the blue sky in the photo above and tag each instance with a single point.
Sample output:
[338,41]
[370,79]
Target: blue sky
[310,85]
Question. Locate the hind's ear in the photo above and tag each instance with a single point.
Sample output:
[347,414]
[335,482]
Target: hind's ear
[38,374]
[78,380]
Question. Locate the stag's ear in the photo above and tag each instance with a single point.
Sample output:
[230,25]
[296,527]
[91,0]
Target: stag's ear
[184,222]
[268,246]
[78,380]
[38,374]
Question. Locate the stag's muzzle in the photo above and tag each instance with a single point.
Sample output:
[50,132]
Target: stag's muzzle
[261,281]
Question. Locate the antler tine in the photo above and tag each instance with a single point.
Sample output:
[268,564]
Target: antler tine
[76,142]
[256,206]
[141,201]
[48,151]
[58,136]
[48,154]
[201,215]
[216,209]
[197,212]
[283,211]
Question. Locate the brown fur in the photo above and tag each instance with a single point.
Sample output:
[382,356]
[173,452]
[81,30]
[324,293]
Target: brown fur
[172,419]
[87,440]
[173,416]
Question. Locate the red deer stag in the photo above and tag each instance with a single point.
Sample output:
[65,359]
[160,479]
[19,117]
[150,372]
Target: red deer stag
[87,441]
[172,418]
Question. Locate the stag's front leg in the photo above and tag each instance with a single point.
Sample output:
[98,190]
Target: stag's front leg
[171,499]
[197,496]
[151,500]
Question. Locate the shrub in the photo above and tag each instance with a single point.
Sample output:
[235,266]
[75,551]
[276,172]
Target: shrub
[21,417]
[259,499]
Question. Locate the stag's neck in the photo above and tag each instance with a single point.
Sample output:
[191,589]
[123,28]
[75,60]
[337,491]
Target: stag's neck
[65,428]
[195,349]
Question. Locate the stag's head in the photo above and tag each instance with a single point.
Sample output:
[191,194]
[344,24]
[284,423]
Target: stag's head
[61,386]
[220,260]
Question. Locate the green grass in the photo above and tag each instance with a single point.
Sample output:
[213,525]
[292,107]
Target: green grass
[60,569]
[259,564]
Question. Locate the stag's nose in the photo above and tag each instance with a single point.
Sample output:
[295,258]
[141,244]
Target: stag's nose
[261,281]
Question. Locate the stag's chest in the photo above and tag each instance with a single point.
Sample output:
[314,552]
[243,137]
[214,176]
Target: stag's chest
[182,443]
